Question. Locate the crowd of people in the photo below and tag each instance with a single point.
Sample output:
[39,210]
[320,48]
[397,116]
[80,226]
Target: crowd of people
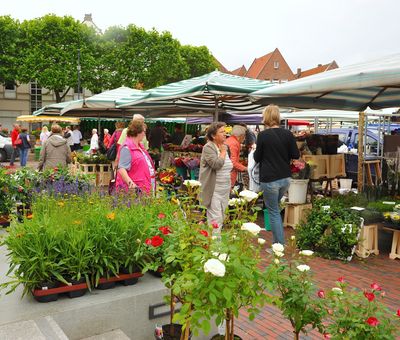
[134,168]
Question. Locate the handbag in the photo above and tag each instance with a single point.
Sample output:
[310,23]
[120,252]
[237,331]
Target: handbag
[18,141]
[112,185]
[111,153]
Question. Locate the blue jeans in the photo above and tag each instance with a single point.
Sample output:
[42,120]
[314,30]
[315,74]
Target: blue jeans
[272,193]
[23,156]
[14,155]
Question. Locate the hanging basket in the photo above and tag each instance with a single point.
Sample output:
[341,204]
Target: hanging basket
[298,191]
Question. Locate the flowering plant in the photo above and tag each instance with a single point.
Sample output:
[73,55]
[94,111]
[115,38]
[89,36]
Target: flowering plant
[290,275]
[191,162]
[169,178]
[178,162]
[301,169]
[357,314]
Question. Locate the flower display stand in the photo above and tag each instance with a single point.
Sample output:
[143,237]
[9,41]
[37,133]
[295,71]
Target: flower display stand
[294,213]
[103,175]
[337,166]
[321,163]
[368,243]
[395,252]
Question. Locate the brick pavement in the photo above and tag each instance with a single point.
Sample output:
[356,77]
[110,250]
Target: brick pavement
[360,273]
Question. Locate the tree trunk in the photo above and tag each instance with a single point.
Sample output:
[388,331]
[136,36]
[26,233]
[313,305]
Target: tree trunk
[185,334]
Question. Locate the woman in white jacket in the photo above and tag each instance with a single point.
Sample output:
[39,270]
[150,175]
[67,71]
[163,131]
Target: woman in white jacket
[94,142]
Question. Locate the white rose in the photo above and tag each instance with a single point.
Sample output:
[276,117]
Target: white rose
[248,195]
[292,237]
[326,207]
[251,227]
[337,290]
[306,252]
[223,257]
[215,267]
[276,261]
[277,247]
[191,183]
[214,237]
[261,241]
[303,268]
[279,254]
[235,201]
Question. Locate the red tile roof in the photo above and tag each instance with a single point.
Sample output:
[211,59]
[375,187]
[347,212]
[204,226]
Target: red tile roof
[241,71]
[318,69]
[258,65]
[221,67]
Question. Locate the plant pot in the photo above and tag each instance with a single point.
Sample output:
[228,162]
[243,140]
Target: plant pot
[222,337]
[345,183]
[106,285]
[4,220]
[157,273]
[77,293]
[133,280]
[46,286]
[298,191]
[177,330]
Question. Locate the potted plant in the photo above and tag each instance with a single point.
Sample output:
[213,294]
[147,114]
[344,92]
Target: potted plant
[301,172]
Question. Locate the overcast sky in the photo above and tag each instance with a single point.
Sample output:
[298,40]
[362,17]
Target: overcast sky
[307,32]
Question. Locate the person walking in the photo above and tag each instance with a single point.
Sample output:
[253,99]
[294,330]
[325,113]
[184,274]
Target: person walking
[215,170]
[106,138]
[44,134]
[234,143]
[94,142]
[76,138]
[69,137]
[14,136]
[276,147]
[55,151]
[24,146]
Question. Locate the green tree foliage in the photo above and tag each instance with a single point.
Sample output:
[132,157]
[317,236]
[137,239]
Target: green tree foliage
[49,47]
[198,59]
[9,36]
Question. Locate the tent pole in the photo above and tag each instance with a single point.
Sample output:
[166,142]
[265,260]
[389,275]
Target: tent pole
[216,109]
[360,175]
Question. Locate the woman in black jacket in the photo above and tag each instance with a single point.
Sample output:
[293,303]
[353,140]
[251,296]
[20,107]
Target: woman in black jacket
[276,147]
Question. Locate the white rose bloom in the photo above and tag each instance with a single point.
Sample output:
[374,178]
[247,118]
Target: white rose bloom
[215,267]
[306,252]
[251,227]
[293,237]
[276,261]
[303,268]
[277,247]
[214,237]
[248,195]
[191,183]
[279,254]
[261,241]
[235,201]
[337,290]
[223,257]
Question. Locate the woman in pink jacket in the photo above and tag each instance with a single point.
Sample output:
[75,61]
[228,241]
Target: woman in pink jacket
[135,166]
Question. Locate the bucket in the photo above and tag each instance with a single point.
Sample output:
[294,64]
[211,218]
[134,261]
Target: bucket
[267,223]
[345,183]
[37,152]
[298,191]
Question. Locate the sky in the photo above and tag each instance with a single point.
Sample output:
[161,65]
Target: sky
[307,32]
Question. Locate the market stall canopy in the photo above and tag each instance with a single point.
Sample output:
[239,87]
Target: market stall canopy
[375,84]
[215,90]
[38,119]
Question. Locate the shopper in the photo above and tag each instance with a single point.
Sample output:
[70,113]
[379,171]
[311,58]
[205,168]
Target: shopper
[234,142]
[276,147]
[106,138]
[76,138]
[215,169]
[14,136]
[44,134]
[94,142]
[24,146]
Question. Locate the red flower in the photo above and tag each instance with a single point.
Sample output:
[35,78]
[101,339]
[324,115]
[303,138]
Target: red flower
[321,294]
[20,189]
[204,233]
[215,225]
[372,321]
[157,241]
[341,279]
[369,296]
[327,336]
[375,286]
[161,215]
[398,312]
[148,241]
[165,230]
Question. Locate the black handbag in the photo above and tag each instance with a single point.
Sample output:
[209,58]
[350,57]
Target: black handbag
[111,153]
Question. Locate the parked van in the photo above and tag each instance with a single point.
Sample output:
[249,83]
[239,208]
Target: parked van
[5,148]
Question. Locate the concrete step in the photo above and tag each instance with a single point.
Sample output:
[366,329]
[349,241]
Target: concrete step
[116,334]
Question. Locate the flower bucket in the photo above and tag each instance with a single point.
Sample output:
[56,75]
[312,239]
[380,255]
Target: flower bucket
[181,171]
[298,191]
[267,223]
[345,183]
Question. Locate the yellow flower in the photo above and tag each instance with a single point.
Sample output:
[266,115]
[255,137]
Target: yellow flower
[386,214]
[111,216]
[29,216]
[396,217]
[228,129]
[60,204]
[77,222]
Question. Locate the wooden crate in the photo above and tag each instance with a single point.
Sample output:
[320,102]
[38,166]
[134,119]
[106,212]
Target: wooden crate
[88,169]
[337,166]
[103,175]
[294,213]
[368,241]
[321,165]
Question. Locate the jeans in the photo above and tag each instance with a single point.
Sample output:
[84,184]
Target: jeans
[272,193]
[14,155]
[23,156]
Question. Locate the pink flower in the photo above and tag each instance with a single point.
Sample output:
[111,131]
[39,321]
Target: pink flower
[327,336]
[372,321]
[375,286]
[148,241]
[161,215]
[215,225]
[321,294]
[369,296]
[341,279]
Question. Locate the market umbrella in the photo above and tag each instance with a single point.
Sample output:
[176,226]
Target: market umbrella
[38,119]
[215,91]
[374,84]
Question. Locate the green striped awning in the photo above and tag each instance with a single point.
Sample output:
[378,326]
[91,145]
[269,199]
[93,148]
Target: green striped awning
[227,91]
[374,84]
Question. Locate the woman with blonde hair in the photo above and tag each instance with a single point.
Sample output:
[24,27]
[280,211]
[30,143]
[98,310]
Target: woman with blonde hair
[44,134]
[276,147]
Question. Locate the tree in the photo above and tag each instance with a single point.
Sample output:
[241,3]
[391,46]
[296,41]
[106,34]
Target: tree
[9,36]
[49,47]
[198,59]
